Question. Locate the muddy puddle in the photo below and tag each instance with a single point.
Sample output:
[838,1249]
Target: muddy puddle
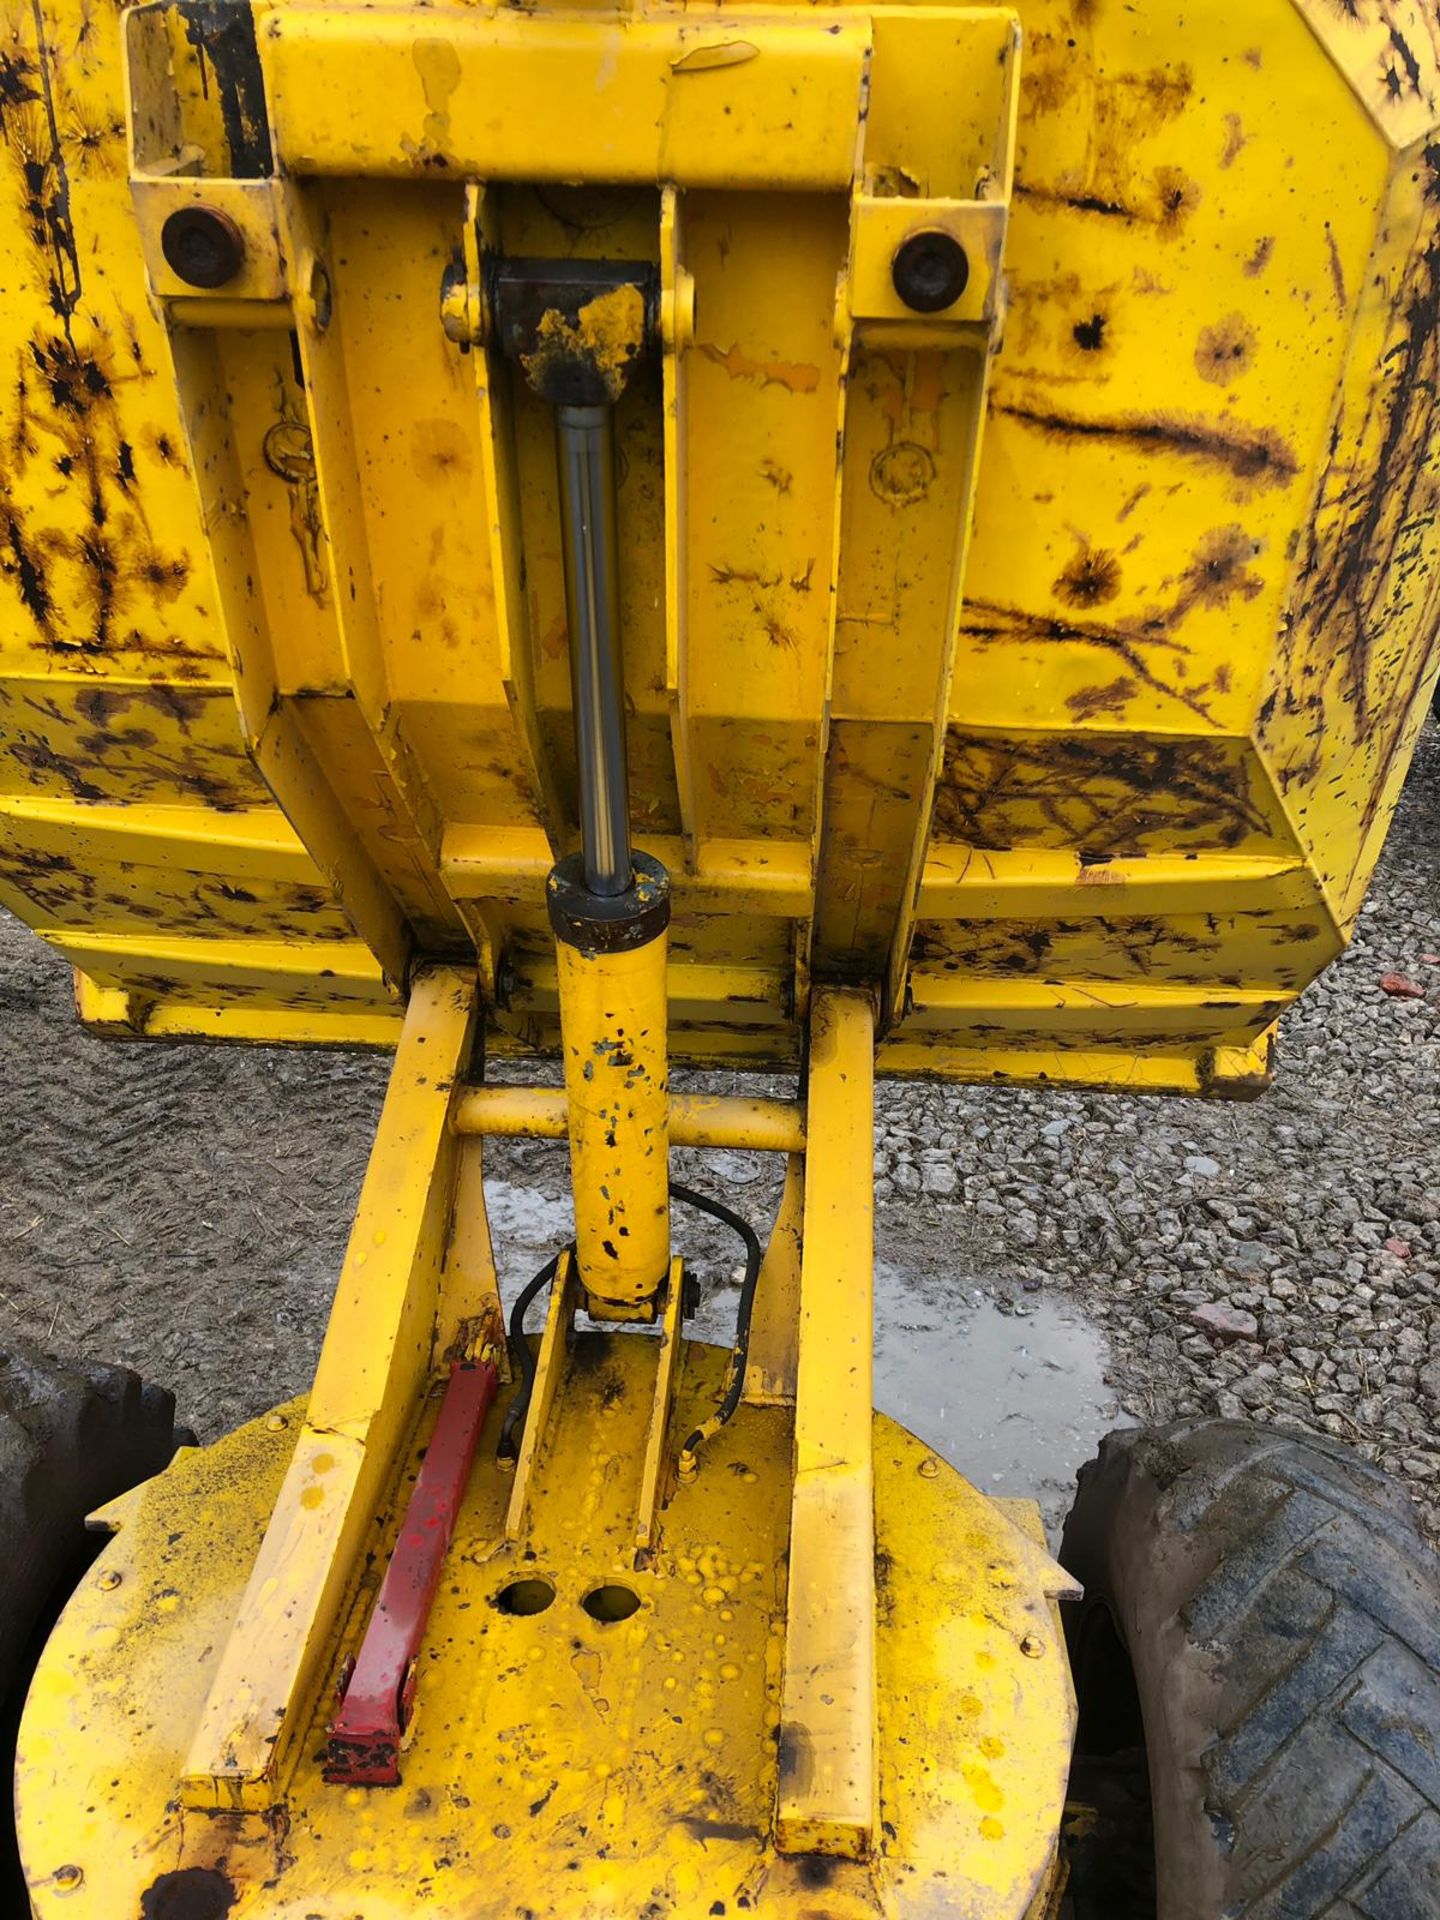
[1016,1399]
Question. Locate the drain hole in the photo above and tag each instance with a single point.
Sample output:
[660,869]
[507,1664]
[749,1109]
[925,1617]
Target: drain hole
[611,1603]
[525,1596]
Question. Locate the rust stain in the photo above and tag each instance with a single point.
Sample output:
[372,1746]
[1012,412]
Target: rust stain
[902,473]
[1355,641]
[1219,570]
[1124,110]
[1225,351]
[1236,139]
[1101,940]
[1253,455]
[1178,197]
[1400,66]
[1337,270]
[29,120]
[1107,795]
[1260,258]
[795,376]
[74,542]
[83,588]
[1090,578]
[191,1893]
[440,450]
[1133,501]
[1137,645]
[1165,202]
[1087,703]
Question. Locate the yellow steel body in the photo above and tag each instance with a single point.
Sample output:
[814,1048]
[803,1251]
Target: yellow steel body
[1091,794]
[696,1119]
[559,1764]
[1013,692]
[617,1091]
[828,1792]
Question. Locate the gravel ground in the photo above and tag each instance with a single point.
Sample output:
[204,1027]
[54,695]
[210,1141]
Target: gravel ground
[1278,1260]
[184,1209]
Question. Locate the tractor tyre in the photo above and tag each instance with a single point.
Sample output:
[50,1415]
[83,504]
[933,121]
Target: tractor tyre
[1257,1664]
[71,1438]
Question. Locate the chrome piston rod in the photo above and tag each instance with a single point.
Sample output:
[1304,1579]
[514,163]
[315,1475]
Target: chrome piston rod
[592,601]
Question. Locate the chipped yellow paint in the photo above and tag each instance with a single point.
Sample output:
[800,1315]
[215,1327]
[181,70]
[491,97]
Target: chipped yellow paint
[608,334]
[617,1087]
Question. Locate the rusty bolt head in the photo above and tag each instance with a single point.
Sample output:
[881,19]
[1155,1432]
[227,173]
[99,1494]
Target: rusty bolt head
[930,270]
[109,1580]
[66,1879]
[1032,1646]
[202,246]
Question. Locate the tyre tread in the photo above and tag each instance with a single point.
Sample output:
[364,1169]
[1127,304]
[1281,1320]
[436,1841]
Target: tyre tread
[1342,1698]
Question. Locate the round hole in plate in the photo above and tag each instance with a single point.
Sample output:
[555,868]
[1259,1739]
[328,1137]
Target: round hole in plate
[524,1596]
[612,1602]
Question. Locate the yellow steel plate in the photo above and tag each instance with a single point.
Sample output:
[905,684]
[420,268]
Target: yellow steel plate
[561,1764]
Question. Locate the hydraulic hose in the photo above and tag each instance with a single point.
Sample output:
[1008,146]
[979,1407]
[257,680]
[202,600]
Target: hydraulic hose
[739,1353]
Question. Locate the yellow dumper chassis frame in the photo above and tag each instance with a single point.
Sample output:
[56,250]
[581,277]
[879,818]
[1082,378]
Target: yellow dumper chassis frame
[714,1638]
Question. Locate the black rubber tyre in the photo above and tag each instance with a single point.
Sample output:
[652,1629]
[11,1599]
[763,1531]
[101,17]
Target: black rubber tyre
[71,1438]
[1261,1624]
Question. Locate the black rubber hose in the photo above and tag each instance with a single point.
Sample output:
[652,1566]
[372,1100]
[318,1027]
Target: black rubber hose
[739,1353]
[521,1358]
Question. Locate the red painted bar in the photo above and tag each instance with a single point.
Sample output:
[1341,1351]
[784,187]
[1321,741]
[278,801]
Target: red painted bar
[375,1706]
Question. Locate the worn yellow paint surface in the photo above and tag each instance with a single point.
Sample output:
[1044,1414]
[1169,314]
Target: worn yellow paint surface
[617,1090]
[559,1763]
[375,1362]
[696,1119]
[827,1794]
[1016,692]
[283,686]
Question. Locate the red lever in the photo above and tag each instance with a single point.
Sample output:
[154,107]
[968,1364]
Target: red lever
[377,1695]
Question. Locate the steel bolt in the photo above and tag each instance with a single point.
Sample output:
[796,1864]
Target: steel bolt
[930,270]
[1032,1646]
[109,1580]
[275,1422]
[66,1879]
[202,246]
